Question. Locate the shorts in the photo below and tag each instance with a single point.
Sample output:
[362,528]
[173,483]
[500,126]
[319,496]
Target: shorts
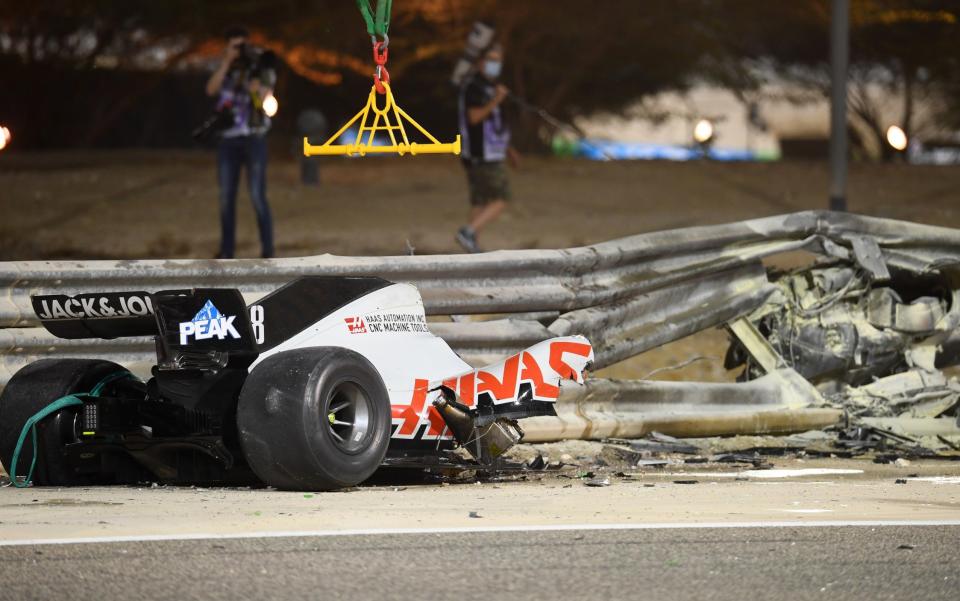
[488,182]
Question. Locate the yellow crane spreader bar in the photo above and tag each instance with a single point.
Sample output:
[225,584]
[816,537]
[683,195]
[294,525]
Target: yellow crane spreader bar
[389,119]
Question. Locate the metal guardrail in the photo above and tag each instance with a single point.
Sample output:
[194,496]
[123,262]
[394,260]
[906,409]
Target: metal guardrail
[632,409]
[627,295]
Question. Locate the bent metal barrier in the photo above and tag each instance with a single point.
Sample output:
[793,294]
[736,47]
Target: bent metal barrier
[627,296]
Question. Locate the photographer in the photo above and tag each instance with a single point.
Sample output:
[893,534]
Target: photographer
[244,78]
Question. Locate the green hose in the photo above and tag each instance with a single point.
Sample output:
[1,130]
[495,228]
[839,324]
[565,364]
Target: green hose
[30,426]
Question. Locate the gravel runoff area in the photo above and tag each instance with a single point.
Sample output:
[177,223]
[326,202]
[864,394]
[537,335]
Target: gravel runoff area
[163,204]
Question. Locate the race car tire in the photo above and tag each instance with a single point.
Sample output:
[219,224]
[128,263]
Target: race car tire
[31,389]
[314,419]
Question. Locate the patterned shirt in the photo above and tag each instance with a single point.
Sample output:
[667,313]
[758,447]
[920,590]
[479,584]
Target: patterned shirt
[248,117]
[487,141]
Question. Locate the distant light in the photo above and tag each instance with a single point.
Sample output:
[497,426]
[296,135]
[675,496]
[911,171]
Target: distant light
[5,137]
[897,138]
[703,131]
[270,105]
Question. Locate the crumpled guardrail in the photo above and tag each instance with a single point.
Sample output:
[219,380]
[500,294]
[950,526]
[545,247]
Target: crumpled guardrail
[627,295]
[632,409]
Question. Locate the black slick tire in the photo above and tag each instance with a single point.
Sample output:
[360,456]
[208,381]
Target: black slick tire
[31,389]
[314,419]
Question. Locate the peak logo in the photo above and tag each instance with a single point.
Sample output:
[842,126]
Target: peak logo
[356,325]
[208,323]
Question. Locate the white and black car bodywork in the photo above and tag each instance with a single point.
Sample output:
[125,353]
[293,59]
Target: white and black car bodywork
[314,386]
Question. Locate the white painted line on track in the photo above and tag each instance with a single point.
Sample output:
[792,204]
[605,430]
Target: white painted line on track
[470,530]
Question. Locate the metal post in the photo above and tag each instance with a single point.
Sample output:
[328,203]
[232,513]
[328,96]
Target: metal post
[839,57]
[313,125]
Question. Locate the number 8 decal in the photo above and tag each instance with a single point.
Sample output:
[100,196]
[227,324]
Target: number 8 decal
[256,320]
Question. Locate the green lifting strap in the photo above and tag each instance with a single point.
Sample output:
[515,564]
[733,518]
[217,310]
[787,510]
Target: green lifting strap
[30,427]
[377,21]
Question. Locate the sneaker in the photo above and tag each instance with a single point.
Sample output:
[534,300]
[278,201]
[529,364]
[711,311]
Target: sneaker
[468,239]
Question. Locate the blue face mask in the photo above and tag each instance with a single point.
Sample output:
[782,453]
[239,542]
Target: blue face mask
[492,69]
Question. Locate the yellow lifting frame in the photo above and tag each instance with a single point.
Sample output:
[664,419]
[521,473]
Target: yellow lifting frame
[381,121]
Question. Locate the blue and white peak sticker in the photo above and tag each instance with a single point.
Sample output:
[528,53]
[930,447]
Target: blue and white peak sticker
[208,323]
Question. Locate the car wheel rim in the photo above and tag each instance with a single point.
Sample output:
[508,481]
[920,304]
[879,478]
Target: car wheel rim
[348,417]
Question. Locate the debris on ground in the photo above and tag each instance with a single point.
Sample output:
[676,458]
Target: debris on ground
[869,332]
[655,442]
[538,463]
[754,459]
[597,482]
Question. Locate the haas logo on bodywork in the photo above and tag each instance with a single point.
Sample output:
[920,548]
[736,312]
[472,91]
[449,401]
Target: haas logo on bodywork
[208,323]
[356,325]
[541,366]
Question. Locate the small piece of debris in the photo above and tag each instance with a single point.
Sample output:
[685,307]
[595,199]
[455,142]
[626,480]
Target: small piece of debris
[598,482]
[474,514]
[661,443]
[686,481]
[900,481]
[908,547]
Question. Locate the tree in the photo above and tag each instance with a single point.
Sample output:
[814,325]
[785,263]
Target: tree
[899,49]
[572,57]
[568,55]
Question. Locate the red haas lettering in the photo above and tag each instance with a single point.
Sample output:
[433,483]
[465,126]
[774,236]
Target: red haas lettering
[501,382]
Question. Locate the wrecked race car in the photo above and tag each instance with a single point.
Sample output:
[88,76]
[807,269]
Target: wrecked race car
[870,340]
[313,387]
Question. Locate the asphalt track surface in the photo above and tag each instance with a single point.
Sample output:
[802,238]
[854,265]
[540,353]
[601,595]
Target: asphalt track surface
[662,564]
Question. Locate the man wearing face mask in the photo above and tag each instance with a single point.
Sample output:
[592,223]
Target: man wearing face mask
[486,145]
